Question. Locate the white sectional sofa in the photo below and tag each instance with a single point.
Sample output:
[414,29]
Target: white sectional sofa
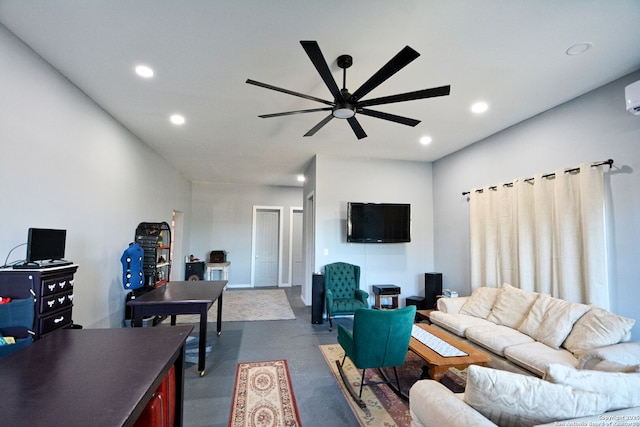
[529,334]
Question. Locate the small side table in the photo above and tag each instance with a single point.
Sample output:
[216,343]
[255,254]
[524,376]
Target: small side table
[222,267]
[386,291]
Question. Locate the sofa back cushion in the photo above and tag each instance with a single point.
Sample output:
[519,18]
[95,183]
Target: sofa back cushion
[622,389]
[551,319]
[597,328]
[512,306]
[509,399]
[481,301]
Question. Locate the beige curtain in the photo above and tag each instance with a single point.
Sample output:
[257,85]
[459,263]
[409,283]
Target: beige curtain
[543,234]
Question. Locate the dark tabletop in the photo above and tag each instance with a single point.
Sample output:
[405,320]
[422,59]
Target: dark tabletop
[183,291]
[87,377]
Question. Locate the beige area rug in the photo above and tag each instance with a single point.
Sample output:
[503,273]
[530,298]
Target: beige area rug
[263,396]
[246,306]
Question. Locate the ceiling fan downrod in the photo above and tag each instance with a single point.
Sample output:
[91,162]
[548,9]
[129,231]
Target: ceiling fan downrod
[343,109]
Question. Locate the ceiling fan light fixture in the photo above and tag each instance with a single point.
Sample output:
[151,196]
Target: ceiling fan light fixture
[343,111]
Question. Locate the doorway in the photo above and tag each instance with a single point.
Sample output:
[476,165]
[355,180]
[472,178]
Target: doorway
[309,246]
[296,252]
[267,246]
[177,226]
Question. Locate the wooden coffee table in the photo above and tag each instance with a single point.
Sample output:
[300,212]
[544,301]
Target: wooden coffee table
[437,365]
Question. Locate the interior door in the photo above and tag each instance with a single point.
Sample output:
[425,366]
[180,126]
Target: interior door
[267,247]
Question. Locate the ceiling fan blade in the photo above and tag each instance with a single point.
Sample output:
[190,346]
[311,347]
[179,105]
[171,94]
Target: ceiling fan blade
[287,91]
[357,129]
[391,117]
[409,96]
[398,62]
[317,58]
[317,127]
[290,113]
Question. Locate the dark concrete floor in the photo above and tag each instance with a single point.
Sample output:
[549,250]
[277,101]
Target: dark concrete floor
[319,399]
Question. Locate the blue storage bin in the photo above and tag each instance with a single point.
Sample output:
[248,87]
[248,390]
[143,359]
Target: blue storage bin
[16,320]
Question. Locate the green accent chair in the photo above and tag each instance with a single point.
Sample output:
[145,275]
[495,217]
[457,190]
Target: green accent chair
[343,295]
[380,339]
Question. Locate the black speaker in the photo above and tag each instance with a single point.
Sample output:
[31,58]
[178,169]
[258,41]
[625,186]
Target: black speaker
[416,300]
[194,271]
[432,288]
[317,298]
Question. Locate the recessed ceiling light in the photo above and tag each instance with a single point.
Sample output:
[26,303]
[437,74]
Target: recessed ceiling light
[177,119]
[301,178]
[578,48]
[144,71]
[479,107]
[425,140]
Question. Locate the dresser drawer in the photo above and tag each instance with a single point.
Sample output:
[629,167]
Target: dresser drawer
[55,302]
[55,321]
[54,285]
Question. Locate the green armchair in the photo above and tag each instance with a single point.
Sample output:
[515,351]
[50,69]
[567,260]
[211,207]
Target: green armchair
[343,295]
[380,339]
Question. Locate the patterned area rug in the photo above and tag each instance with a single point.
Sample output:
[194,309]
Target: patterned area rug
[263,396]
[247,306]
[384,406]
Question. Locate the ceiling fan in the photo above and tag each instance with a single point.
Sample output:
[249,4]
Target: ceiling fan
[346,105]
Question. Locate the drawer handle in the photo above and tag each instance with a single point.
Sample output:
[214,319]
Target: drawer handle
[71,282]
[58,320]
[61,300]
[50,303]
[51,287]
[70,297]
[62,284]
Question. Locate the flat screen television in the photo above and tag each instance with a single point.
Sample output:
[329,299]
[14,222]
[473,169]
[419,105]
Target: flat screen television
[378,222]
[45,244]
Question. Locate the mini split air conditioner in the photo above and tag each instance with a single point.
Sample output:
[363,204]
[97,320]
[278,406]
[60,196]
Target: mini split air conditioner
[632,98]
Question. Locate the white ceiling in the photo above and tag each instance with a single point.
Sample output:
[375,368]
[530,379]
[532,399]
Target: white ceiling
[510,53]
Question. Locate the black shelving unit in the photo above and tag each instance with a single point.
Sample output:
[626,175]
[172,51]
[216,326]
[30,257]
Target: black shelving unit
[155,239]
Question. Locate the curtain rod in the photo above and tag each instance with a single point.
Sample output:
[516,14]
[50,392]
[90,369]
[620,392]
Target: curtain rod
[548,175]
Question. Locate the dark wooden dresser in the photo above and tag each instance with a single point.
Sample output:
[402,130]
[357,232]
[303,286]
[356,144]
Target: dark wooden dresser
[52,290]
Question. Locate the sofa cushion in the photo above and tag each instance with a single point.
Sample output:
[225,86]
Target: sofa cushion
[551,319]
[597,328]
[496,337]
[509,399]
[622,389]
[432,404]
[456,323]
[536,356]
[626,353]
[480,303]
[609,366]
[512,306]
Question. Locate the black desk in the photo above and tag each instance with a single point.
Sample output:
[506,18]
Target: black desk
[185,297]
[90,377]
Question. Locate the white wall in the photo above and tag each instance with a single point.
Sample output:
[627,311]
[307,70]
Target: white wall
[65,163]
[590,128]
[342,180]
[222,216]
